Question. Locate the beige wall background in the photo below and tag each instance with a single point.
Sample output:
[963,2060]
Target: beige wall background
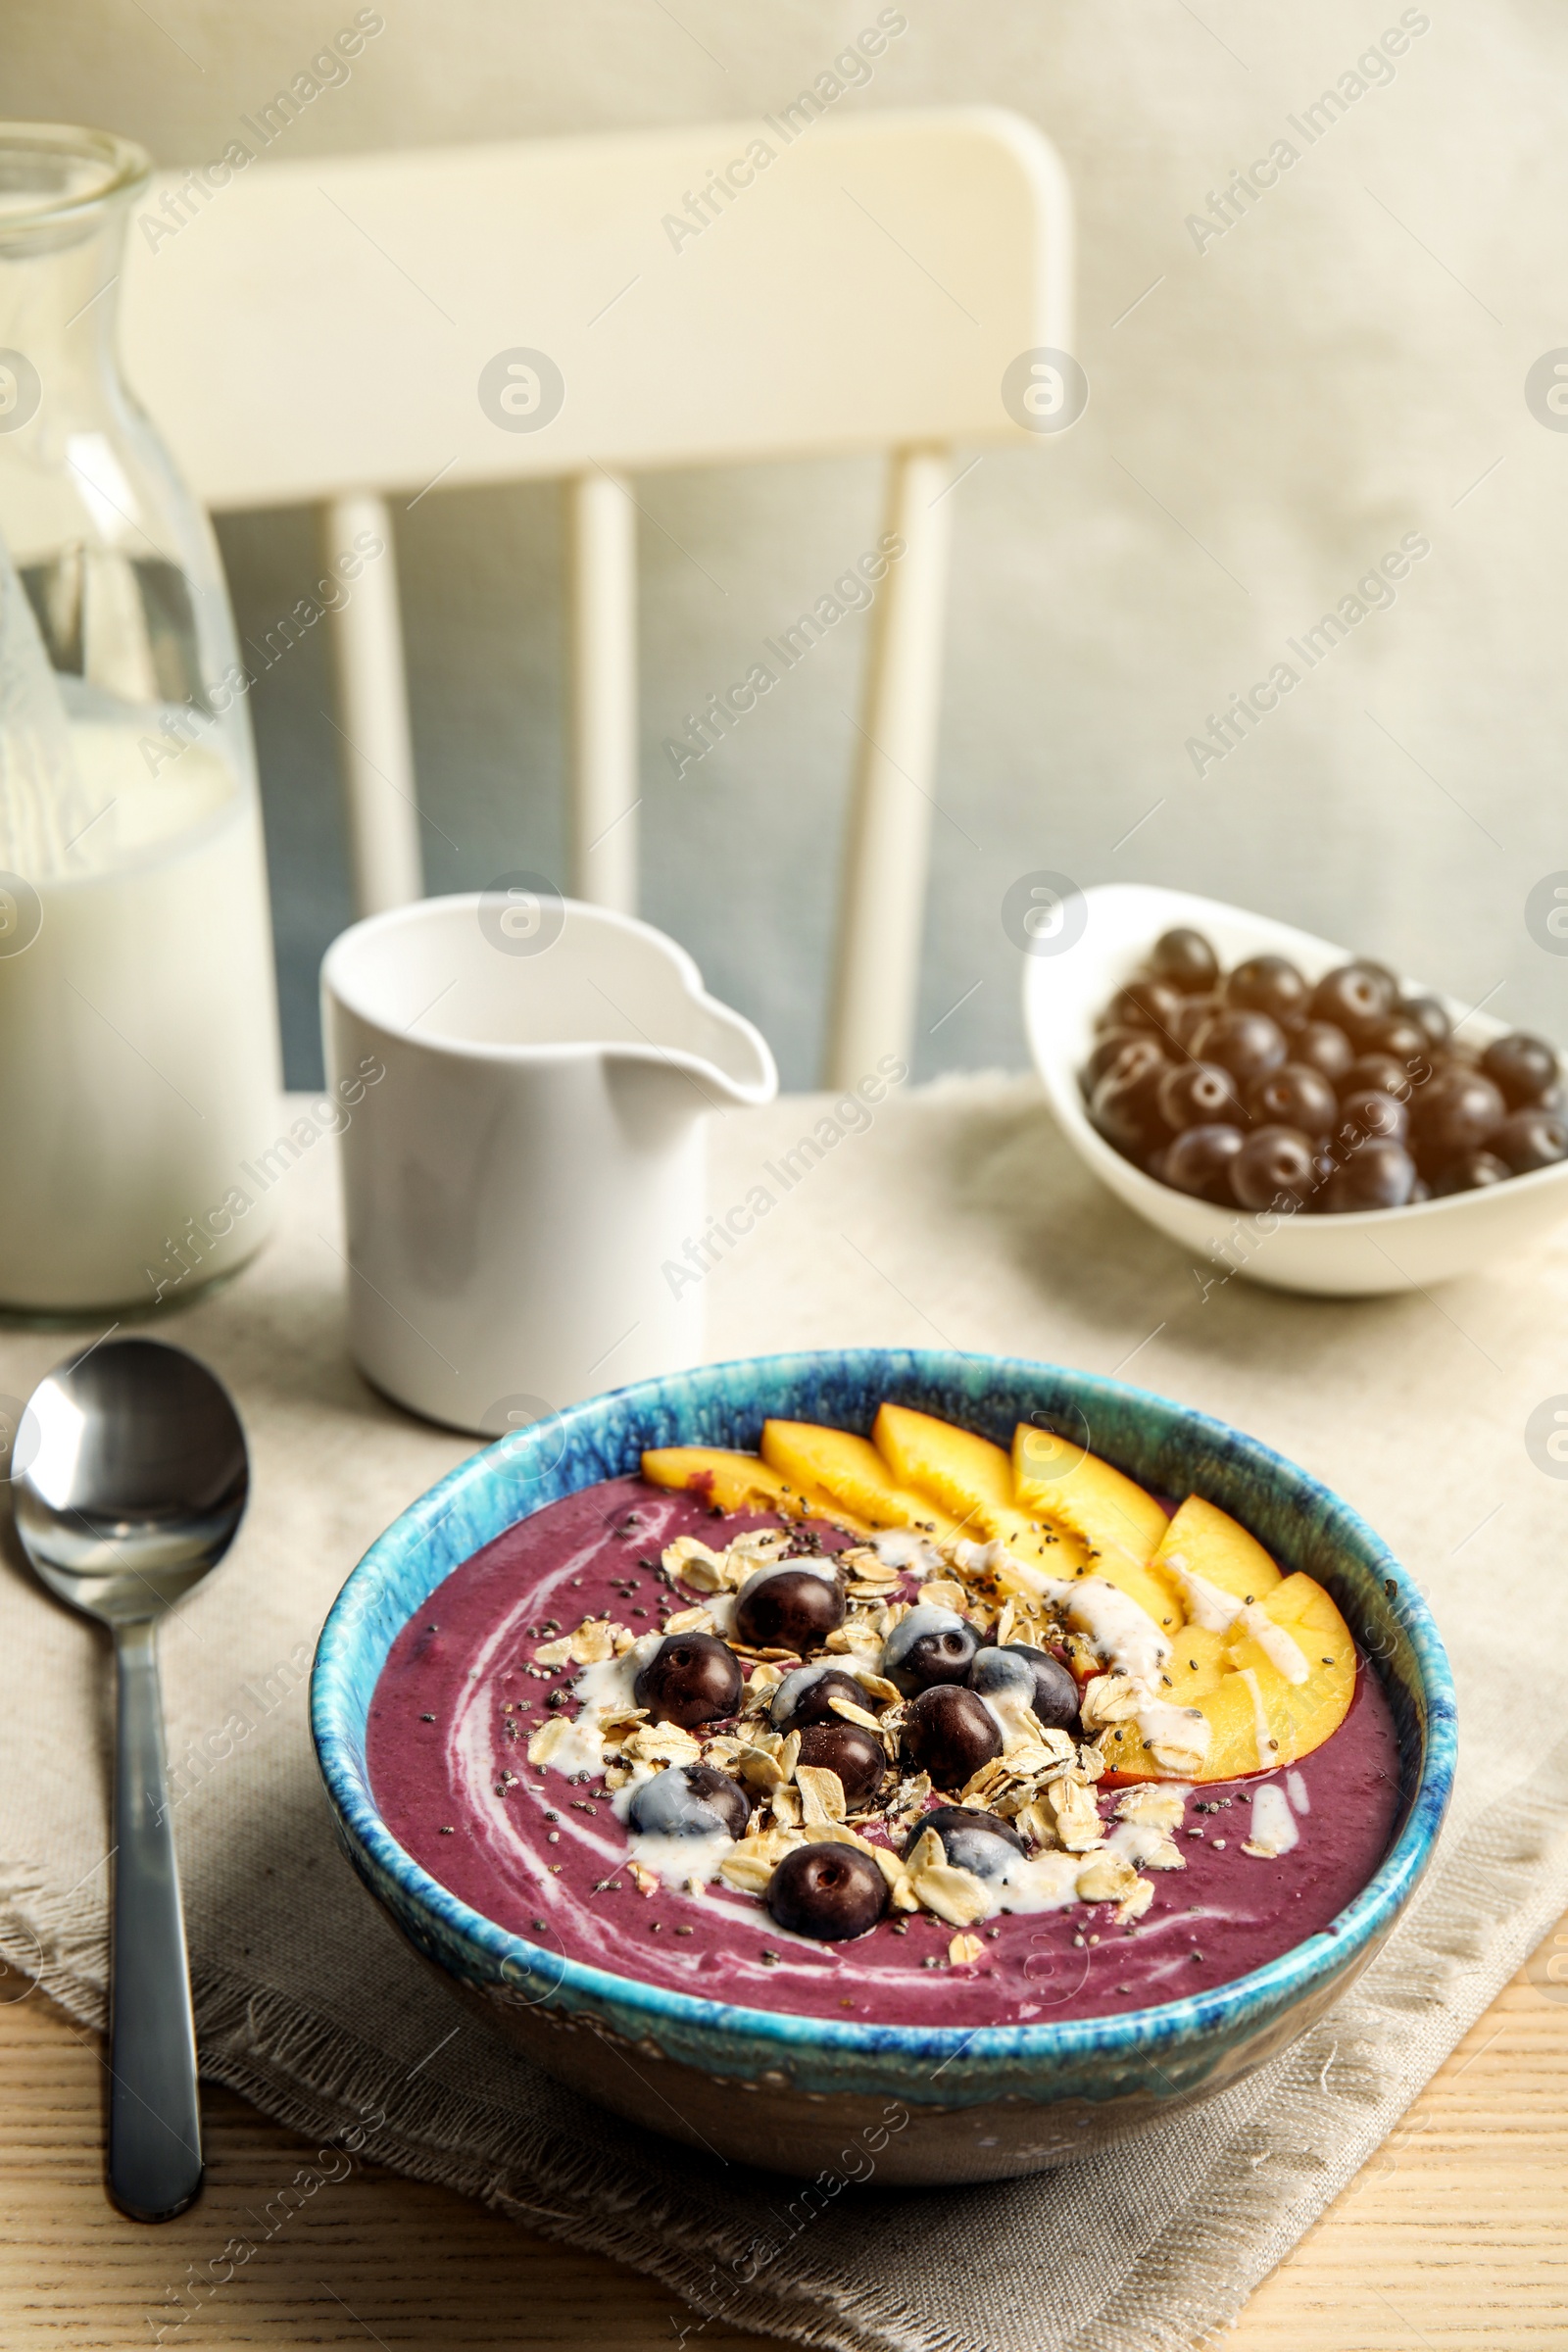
[1269,415]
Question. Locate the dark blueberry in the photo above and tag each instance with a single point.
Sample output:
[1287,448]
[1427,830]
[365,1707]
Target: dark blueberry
[1246,1044]
[1186,960]
[832,1893]
[1143,1004]
[1524,1067]
[711,1786]
[1353,996]
[1198,1161]
[1407,1041]
[1274,1166]
[929,1646]
[1194,1094]
[1457,1111]
[1193,1013]
[1471,1172]
[1377,1174]
[1269,984]
[1368,1110]
[1324,1048]
[855,1755]
[690,1800]
[807,1695]
[981,1842]
[788,1609]
[1380,1071]
[1043,1680]
[1294,1095]
[1124,1051]
[950,1733]
[1126,1109]
[691,1678]
[1429,1017]
[1531,1139]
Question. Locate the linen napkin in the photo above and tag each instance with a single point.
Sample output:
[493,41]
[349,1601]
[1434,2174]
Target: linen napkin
[955,1215]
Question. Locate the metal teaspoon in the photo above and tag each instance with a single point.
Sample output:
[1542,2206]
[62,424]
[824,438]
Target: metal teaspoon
[132,1479]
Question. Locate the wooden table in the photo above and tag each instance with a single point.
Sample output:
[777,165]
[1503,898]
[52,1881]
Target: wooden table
[1454,2237]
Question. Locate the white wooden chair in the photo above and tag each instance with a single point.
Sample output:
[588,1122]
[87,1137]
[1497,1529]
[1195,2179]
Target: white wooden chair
[318,332]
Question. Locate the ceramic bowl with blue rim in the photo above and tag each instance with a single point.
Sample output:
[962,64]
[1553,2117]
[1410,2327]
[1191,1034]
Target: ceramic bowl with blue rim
[941,2104]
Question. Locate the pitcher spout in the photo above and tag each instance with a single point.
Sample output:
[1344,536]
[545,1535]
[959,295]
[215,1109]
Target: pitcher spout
[666,1015]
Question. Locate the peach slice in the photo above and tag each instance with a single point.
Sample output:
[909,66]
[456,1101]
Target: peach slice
[1117,1523]
[1215,1546]
[972,1479]
[833,1461]
[741,1481]
[968,1475]
[1112,1513]
[1257,1718]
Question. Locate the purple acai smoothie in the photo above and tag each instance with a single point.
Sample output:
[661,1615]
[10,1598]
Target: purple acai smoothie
[544,1851]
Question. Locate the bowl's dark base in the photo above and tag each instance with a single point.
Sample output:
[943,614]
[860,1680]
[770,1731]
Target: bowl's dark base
[860,2136]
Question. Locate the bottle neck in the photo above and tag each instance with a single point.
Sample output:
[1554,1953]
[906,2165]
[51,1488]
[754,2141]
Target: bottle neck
[59,298]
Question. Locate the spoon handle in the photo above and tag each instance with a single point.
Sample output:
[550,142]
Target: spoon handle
[155,2130]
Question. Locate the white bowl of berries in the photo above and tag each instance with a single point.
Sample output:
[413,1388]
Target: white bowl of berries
[1285,1110]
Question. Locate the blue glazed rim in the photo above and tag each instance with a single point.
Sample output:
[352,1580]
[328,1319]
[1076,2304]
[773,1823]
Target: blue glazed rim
[1172,1446]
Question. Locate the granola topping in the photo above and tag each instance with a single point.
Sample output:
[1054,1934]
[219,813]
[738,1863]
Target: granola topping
[1044,1781]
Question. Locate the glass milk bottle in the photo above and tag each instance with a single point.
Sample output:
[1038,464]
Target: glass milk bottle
[139,1019]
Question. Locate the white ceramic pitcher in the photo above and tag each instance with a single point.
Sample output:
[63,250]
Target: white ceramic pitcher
[525,1085]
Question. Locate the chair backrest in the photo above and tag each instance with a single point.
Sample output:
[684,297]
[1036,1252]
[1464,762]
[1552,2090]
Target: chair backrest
[370,328]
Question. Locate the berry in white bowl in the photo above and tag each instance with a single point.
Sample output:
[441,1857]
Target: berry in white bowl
[1264,1217]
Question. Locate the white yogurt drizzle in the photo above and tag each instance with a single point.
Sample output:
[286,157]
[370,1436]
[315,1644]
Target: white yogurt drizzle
[674,1859]
[1273,1822]
[1047,1881]
[1013,1717]
[1140,1840]
[604,1688]
[1262,1736]
[1209,1606]
[1117,1628]
[1122,1635]
[1183,1730]
[905,1548]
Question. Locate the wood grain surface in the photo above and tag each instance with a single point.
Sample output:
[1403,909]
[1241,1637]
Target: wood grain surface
[1454,2238]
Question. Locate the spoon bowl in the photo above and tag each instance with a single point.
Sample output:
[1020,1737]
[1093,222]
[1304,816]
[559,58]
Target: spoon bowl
[131,1482]
[136,1480]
